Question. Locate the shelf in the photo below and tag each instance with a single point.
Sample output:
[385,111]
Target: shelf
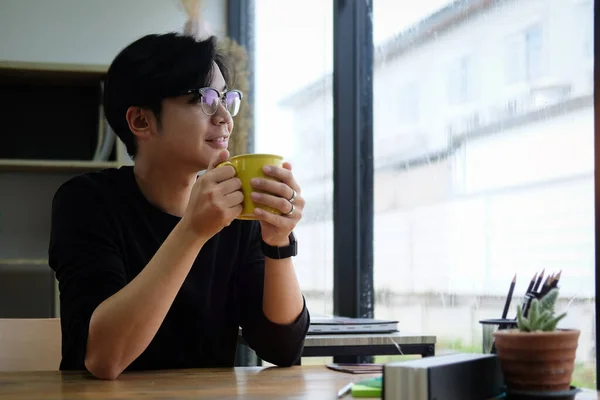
[55,67]
[11,70]
[23,261]
[55,165]
[24,265]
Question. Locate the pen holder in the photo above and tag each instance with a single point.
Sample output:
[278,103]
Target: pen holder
[488,327]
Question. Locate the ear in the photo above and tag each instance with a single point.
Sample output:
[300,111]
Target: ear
[139,121]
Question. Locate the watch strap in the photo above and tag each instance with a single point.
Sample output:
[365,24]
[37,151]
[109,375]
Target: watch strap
[278,253]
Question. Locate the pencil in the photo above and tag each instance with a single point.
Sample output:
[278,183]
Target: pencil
[546,288]
[526,298]
[548,279]
[539,280]
[555,281]
[509,297]
[546,285]
[533,294]
[530,287]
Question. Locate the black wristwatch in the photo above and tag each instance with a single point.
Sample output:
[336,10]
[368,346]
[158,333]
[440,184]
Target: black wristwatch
[278,253]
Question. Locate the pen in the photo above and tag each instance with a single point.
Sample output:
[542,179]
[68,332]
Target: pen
[345,390]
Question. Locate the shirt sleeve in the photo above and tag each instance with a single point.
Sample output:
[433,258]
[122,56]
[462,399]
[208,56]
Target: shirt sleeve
[281,345]
[88,265]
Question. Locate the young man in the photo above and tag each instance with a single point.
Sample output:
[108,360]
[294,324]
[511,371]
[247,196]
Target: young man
[154,270]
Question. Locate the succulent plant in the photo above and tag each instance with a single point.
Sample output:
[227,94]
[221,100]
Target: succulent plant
[541,316]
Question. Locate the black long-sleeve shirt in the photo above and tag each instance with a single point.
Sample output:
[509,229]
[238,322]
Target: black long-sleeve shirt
[104,232]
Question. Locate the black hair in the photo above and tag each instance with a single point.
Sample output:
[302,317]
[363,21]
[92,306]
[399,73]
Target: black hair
[152,68]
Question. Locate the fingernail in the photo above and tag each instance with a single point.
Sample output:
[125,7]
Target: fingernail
[267,169]
[255,195]
[258,211]
[255,181]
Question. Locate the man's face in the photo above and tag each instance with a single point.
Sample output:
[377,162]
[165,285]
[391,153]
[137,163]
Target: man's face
[187,136]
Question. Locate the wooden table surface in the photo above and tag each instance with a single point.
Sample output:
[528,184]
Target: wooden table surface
[299,382]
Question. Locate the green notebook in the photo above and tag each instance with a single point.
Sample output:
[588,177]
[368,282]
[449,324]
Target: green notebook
[368,388]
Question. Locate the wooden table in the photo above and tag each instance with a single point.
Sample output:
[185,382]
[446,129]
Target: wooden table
[307,382]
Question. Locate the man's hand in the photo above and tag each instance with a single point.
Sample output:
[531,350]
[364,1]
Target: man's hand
[283,195]
[216,199]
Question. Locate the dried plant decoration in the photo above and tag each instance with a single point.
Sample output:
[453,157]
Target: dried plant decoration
[195,25]
[238,58]
[238,61]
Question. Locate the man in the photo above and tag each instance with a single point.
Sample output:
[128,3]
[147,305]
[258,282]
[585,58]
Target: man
[154,270]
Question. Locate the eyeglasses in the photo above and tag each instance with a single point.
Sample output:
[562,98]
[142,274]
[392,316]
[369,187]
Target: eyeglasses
[210,99]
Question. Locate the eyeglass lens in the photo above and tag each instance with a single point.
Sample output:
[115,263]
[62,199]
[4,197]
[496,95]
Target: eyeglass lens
[211,100]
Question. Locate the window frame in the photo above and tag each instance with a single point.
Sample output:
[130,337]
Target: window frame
[597,194]
[353,212]
[240,27]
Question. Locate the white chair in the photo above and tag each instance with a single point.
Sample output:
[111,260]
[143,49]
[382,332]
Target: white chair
[30,344]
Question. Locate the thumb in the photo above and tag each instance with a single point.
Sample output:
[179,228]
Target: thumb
[218,159]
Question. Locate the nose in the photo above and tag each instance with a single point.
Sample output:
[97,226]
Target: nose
[222,116]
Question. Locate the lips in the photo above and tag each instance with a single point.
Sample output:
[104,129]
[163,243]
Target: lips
[221,139]
[218,142]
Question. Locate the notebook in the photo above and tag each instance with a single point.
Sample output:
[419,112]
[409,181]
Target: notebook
[356,368]
[334,324]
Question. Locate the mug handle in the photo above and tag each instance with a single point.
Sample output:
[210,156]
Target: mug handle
[225,163]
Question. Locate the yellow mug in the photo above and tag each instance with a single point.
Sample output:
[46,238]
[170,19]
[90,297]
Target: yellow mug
[248,167]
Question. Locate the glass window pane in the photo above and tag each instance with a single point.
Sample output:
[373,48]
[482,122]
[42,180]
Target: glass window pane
[294,118]
[493,173]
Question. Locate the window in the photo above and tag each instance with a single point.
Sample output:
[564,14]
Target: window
[451,230]
[523,57]
[533,52]
[293,111]
[460,81]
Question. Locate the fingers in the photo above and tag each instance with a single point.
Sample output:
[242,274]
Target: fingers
[275,202]
[231,192]
[273,187]
[230,185]
[283,174]
[234,200]
[287,219]
[283,222]
[220,174]
[218,159]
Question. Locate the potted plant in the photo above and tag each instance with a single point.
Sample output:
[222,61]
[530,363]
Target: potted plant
[536,356]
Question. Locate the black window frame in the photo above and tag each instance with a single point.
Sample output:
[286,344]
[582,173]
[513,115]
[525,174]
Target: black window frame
[353,174]
[596,188]
[240,27]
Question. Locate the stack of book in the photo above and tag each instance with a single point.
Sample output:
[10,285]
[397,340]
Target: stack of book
[334,324]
